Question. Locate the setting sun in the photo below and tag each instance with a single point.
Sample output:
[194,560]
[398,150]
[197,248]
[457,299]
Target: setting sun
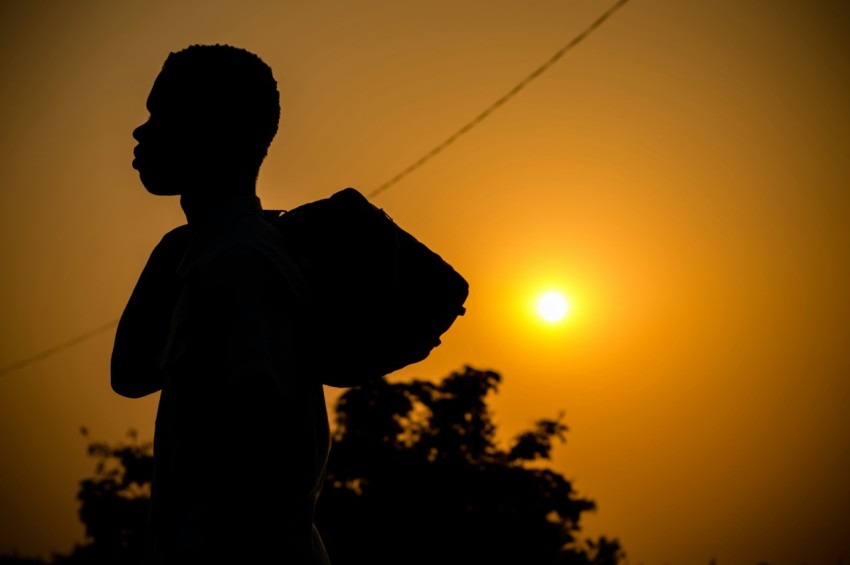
[553,307]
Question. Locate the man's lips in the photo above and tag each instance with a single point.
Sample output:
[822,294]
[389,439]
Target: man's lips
[136,157]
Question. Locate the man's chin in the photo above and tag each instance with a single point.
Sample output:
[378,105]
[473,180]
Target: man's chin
[157,186]
[163,193]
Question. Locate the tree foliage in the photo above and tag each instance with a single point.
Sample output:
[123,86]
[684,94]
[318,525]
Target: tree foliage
[113,507]
[415,476]
[114,504]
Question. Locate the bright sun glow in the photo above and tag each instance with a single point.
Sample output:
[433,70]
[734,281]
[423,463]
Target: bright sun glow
[553,307]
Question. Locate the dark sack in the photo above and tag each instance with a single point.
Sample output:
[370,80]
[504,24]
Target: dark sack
[380,299]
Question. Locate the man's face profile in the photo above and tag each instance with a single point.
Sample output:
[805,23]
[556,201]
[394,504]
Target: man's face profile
[171,142]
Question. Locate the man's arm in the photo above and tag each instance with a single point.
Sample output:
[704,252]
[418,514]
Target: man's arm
[144,326]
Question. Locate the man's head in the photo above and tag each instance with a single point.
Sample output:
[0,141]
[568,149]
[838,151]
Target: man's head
[214,110]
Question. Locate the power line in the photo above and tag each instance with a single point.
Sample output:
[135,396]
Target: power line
[394,180]
[56,349]
[495,105]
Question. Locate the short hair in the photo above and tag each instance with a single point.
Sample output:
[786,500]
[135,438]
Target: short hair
[230,89]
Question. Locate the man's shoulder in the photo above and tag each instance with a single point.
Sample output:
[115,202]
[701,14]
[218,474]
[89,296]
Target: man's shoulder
[251,253]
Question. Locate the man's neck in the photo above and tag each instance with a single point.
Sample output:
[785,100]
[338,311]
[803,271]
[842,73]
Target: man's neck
[198,204]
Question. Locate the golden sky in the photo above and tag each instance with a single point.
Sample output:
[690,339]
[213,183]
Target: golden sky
[682,175]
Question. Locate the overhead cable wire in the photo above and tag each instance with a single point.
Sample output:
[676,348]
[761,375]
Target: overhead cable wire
[394,180]
[56,349]
[501,101]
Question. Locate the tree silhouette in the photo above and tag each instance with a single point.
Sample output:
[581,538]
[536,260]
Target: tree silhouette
[415,476]
[114,504]
[113,507]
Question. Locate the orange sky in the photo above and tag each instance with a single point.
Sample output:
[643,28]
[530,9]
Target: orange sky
[682,174]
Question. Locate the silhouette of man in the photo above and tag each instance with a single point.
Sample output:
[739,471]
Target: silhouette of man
[241,439]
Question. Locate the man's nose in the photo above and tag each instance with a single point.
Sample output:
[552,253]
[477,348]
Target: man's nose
[138,133]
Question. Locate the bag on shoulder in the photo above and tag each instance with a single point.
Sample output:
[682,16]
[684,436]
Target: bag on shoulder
[381,299]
